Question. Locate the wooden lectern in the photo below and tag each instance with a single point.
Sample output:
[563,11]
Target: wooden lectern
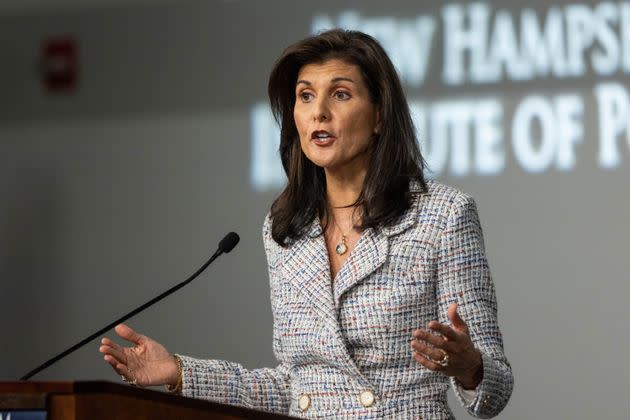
[96,400]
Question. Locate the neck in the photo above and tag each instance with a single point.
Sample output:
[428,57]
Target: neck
[343,188]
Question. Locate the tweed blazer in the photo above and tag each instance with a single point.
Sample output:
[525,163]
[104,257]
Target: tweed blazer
[337,340]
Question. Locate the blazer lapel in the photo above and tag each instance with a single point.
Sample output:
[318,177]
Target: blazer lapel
[371,251]
[308,270]
[368,255]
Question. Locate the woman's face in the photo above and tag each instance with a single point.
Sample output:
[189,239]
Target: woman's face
[334,116]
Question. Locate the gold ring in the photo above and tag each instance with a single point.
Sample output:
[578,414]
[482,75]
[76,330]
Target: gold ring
[444,361]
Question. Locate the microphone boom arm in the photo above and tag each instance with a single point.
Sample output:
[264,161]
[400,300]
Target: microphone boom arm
[226,245]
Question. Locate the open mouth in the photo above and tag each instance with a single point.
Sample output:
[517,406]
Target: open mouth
[322,137]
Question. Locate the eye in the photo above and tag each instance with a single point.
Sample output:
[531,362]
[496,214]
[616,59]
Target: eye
[305,96]
[342,95]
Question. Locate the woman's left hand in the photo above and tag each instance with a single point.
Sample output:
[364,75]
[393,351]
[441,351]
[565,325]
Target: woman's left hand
[452,352]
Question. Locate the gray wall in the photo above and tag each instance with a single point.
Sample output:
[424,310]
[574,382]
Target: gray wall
[113,194]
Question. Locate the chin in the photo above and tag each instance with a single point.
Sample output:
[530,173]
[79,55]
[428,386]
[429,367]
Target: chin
[321,161]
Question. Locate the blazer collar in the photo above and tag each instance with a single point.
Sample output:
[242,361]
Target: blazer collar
[369,254]
[372,250]
[408,218]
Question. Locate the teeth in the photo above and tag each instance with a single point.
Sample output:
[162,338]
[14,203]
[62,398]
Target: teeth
[323,136]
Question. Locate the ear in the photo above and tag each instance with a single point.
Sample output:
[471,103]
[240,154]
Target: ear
[377,126]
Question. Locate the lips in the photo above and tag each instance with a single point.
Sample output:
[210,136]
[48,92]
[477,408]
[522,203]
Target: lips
[322,137]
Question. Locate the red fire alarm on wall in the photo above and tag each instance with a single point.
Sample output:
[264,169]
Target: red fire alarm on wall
[60,64]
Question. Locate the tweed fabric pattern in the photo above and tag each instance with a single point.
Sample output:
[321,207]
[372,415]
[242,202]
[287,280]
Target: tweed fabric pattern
[335,338]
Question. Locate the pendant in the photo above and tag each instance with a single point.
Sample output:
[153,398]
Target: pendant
[341,248]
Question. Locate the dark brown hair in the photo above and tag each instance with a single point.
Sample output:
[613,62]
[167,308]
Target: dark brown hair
[395,157]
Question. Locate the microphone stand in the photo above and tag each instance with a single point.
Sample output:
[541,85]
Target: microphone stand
[226,245]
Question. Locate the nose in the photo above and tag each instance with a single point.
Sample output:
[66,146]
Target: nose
[321,111]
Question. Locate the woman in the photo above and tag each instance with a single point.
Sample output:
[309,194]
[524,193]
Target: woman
[380,289]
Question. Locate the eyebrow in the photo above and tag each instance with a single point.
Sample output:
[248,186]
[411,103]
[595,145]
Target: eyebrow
[335,80]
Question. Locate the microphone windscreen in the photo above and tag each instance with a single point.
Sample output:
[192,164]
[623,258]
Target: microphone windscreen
[229,242]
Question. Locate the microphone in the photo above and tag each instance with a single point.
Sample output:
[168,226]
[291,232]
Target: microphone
[226,245]
[228,242]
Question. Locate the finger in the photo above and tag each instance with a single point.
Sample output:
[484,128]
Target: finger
[117,353]
[426,350]
[107,342]
[128,334]
[114,363]
[123,370]
[435,340]
[456,320]
[427,363]
[443,329]
[119,368]
[128,375]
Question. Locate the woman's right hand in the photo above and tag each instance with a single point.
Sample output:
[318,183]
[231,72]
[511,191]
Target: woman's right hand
[145,363]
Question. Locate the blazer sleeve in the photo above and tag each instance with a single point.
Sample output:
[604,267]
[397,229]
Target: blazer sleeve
[464,277]
[226,382]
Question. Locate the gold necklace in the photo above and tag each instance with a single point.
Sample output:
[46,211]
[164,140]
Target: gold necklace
[341,247]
